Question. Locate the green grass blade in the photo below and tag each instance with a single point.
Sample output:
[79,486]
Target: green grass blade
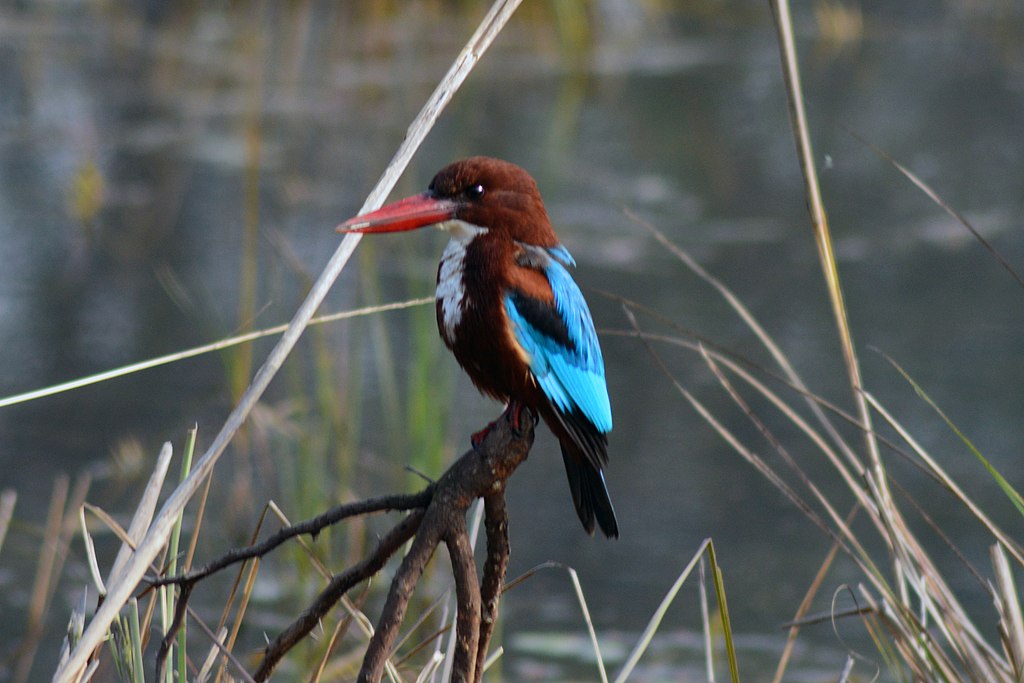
[730,647]
[1007,488]
[659,614]
[135,636]
[186,467]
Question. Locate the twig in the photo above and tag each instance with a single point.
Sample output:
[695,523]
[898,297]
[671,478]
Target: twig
[338,586]
[314,526]
[476,474]
[495,567]
[402,586]
[467,596]
[311,526]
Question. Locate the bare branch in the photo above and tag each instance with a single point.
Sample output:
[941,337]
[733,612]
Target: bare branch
[338,586]
[311,526]
[495,566]
[478,473]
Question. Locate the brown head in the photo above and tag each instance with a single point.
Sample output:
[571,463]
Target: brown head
[481,191]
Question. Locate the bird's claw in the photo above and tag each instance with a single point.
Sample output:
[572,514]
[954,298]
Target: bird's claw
[514,414]
[477,439]
[515,417]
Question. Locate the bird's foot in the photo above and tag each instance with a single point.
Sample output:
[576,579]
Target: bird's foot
[515,416]
[478,437]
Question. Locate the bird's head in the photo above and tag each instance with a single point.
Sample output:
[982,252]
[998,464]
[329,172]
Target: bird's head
[487,193]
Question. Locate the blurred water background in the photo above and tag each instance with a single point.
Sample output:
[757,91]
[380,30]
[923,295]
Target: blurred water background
[171,172]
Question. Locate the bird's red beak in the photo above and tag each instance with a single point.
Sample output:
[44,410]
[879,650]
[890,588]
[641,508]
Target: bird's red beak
[410,213]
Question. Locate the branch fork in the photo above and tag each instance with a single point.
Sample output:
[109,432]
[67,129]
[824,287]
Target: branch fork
[436,516]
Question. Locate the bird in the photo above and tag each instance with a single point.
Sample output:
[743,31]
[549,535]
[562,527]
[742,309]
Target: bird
[511,314]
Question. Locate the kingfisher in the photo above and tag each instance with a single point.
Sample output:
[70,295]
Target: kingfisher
[511,314]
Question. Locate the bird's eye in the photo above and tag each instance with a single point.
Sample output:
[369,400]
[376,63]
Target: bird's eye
[475,191]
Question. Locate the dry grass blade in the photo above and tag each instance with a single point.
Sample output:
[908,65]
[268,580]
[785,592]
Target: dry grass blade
[655,621]
[7,501]
[337,635]
[432,665]
[755,326]
[61,526]
[211,656]
[588,621]
[938,604]
[493,657]
[48,559]
[944,205]
[121,585]
[1012,546]
[219,345]
[580,597]
[90,554]
[108,520]
[752,457]
[144,510]
[322,569]
[243,604]
[220,648]
[805,605]
[823,237]
[431,639]
[1011,622]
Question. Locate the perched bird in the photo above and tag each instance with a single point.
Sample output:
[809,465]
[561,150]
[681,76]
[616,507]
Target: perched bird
[511,314]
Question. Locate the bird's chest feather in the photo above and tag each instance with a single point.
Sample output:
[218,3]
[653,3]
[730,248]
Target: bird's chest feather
[451,289]
[472,280]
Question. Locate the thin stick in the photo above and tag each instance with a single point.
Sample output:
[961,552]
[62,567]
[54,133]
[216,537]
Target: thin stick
[7,500]
[468,599]
[495,566]
[120,587]
[199,351]
[338,586]
[310,526]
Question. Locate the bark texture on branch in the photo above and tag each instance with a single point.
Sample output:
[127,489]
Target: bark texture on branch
[436,515]
[480,473]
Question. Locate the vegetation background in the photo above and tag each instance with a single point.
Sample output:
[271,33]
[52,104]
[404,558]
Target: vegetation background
[172,173]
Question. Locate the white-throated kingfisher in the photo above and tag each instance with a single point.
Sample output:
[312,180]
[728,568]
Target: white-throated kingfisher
[511,314]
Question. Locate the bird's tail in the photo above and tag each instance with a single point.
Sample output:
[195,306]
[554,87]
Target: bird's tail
[590,495]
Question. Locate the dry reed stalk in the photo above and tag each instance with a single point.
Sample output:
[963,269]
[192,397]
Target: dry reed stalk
[916,578]
[218,345]
[8,498]
[819,220]
[61,527]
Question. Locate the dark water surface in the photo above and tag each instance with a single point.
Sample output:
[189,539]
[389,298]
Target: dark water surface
[198,121]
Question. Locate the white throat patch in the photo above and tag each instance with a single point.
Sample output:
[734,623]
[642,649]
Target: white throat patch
[451,289]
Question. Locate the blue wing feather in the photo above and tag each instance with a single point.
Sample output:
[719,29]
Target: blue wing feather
[572,376]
